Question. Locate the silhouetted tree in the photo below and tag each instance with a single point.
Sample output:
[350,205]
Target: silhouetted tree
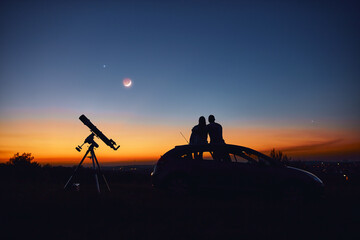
[279,156]
[22,161]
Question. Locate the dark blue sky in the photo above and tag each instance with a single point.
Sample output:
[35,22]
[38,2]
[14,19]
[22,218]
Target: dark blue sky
[272,62]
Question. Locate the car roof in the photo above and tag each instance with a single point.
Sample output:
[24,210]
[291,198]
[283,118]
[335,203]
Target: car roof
[211,146]
[208,147]
[201,146]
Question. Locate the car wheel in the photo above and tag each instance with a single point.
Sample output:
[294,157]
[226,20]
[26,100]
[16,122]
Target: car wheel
[178,185]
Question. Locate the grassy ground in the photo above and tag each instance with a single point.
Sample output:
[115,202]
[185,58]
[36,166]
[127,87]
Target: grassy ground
[134,210]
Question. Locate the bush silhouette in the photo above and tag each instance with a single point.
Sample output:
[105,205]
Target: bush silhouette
[279,156]
[23,161]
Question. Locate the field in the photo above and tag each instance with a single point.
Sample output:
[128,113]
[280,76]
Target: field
[35,206]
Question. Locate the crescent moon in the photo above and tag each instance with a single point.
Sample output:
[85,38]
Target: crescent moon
[127,82]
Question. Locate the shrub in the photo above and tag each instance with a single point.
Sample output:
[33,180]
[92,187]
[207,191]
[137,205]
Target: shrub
[22,161]
[279,156]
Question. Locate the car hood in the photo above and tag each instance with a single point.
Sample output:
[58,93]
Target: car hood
[306,173]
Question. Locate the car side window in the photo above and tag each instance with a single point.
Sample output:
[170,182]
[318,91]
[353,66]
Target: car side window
[252,158]
[238,159]
[218,156]
[207,156]
[186,156]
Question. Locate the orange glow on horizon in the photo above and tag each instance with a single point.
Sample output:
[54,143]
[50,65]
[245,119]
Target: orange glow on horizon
[54,142]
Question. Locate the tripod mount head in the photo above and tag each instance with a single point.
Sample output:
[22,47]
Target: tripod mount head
[89,140]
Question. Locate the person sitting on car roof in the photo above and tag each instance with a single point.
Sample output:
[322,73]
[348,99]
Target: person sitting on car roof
[199,133]
[215,131]
[199,136]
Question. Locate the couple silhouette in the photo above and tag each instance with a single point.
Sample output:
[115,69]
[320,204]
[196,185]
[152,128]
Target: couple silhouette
[199,132]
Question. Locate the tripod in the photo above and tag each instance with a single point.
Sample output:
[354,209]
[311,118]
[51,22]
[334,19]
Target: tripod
[97,171]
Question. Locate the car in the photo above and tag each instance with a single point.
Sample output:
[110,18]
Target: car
[192,168]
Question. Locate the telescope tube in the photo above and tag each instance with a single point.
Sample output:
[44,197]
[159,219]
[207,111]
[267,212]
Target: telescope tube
[97,132]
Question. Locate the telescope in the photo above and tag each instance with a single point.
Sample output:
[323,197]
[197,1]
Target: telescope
[90,140]
[111,143]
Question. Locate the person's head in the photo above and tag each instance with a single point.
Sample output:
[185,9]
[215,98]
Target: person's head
[211,119]
[202,121]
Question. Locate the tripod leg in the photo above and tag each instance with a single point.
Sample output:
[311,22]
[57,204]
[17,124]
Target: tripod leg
[82,160]
[97,162]
[95,173]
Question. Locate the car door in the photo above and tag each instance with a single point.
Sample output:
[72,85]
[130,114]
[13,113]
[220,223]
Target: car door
[252,171]
[210,169]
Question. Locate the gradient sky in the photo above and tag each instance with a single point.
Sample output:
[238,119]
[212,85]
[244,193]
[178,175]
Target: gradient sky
[276,74]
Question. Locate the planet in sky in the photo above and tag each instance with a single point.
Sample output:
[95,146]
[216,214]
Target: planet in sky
[127,82]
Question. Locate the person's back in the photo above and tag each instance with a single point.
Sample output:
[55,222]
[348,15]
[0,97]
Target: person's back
[199,132]
[215,131]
